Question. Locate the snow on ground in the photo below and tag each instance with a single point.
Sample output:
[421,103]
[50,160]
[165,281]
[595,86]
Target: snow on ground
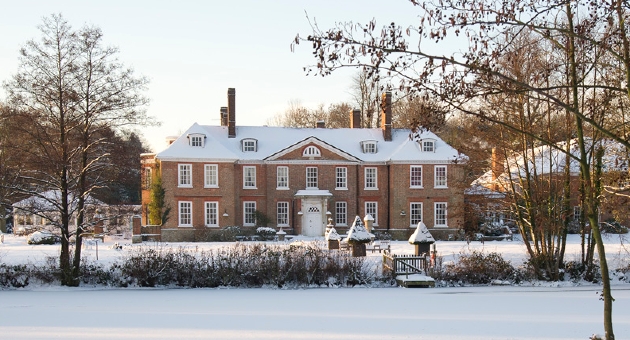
[547,311]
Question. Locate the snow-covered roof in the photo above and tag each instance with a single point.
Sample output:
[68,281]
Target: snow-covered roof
[274,141]
[46,201]
[546,159]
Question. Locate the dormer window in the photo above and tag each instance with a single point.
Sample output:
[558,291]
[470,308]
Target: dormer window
[196,140]
[368,146]
[249,145]
[428,145]
[311,151]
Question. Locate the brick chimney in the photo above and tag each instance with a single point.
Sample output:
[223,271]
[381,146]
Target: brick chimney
[496,168]
[355,119]
[321,124]
[386,116]
[231,113]
[224,116]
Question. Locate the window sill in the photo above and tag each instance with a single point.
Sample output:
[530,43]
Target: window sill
[184,186]
[282,188]
[415,187]
[212,226]
[185,226]
[250,188]
[370,188]
[441,187]
[345,189]
[211,186]
[440,226]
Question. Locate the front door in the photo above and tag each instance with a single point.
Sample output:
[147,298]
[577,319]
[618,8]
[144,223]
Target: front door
[313,224]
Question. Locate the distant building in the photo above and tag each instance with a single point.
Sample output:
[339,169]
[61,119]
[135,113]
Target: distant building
[218,176]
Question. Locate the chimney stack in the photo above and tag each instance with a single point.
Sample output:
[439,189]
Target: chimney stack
[321,124]
[231,112]
[355,119]
[386,116]
[224,116]
[496,168]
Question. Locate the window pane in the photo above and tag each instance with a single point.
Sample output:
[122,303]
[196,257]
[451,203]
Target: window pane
[341,213]
[249,219]
[282,177]
[440,214]
[371,208]
[440,176]
[415,176]
[185,213]
[211,175]
[415,215]
[311,177]
[342,181]
[370,178]
[283,213]
[249,177]
[212,213]
[185,178]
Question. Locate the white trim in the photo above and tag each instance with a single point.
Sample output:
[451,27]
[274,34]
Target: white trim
[179,176]
[312,140]
[421,186]
[179,214]
[435,167]
[205,214]
[245,214]
[365,178]
[255,178]
[415,224]
[435,225]
[375,213]
[205,176]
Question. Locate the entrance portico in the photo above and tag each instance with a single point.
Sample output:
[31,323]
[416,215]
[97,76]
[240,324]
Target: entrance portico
[313,210]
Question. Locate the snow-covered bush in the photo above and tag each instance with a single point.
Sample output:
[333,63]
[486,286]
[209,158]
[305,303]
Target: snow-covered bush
[266,233]
[477,268]
[42,237]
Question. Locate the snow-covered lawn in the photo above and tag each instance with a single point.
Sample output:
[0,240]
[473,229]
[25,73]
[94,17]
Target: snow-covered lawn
[533,311]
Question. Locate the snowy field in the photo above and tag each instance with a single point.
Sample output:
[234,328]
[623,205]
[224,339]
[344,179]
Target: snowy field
[531,311]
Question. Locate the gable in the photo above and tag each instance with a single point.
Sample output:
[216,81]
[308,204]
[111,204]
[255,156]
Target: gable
[312,149]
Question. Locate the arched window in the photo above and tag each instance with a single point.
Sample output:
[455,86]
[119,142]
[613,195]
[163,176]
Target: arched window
[311,151]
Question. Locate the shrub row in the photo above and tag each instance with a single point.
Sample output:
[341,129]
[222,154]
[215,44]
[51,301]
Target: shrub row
[239,265]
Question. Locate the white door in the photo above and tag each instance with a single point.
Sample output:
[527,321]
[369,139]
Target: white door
[313,222]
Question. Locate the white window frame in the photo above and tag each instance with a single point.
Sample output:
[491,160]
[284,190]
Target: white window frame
[282,213]
[184,175]
[416,178]
[211,175]
[211,214]
[428,145]
[282,178]
[184,217]
[249,218]
[341,178]
[249,177]
[369,146]
[196,140]
[311,151]
[312,180]
[415,213]
[371,208]
[442,222]
[249,145]
[577,212]
[371,178]
[148,178]
[442,181]
[341,213]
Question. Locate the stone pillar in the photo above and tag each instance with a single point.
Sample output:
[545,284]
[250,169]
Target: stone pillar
[136,229]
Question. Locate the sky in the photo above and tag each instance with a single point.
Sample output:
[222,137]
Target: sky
[193,51]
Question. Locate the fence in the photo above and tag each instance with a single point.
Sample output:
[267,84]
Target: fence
[404,264]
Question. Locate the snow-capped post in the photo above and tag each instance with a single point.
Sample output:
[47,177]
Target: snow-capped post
[369,222]
[422,239]
[331,235]
[280,234]
[358,236]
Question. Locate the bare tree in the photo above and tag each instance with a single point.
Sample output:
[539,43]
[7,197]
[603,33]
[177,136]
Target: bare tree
[73,90]
[583,37]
